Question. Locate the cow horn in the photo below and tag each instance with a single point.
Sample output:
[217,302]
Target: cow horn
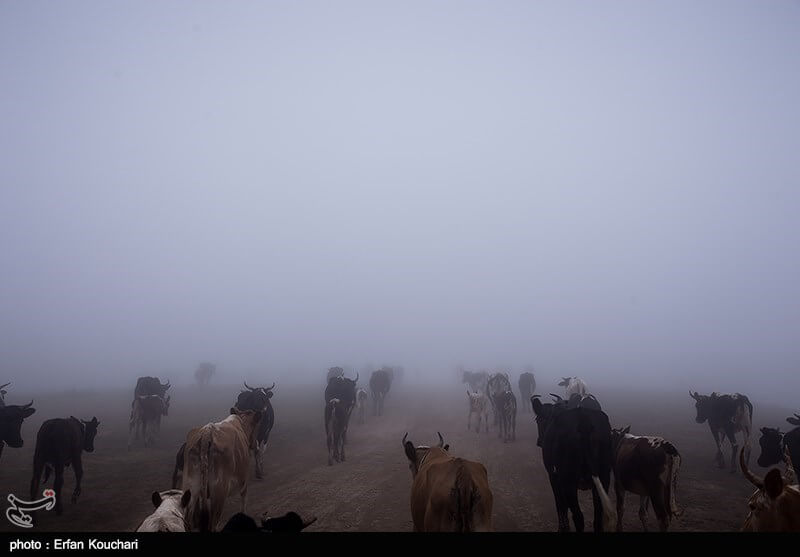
[536,396]
[248,387]
[29,404]
[270,388]
[356,379]
[404,439]
[556,397]
[4,386]
[755,480]
[441,440]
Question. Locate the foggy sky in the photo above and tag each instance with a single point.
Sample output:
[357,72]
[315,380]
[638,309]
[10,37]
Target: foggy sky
[603,189]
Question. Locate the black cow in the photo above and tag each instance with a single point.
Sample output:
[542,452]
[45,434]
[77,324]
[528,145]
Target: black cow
[204,372]
[379,384]
[60,443]
[146,416]
[146,386]
[527,386]
[776,445]
[577,454]
[340,399]
[11,424]
[257,398]
[290,522]
[728,415]
[506,404]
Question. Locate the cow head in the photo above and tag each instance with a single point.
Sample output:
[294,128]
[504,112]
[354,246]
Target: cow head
[11,423]
[545,412]
[565,381]
[183,496]
[703,405]
[617,435]
[255,397]
[771,442]
[290,522]
[416,455]
[794,420]
[89,432]
[775,506]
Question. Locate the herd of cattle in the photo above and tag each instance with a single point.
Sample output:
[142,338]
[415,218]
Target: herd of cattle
[580,451]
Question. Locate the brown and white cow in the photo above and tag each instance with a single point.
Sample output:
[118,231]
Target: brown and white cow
[647,466]
[774,506]
[216,462]
[448,494]
[169,514]
[478,405]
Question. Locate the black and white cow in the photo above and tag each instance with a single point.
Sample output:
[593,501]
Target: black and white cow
[577,455]
[506,404]
[647,466]
[479,405]
[727,415]
[340,399]
[258,398]
[497,384]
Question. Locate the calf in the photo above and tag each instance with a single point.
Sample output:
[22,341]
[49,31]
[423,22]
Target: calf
[60,443]
[169,514]
[774,506]
[361,404]
[216,462]
[726,415]
[146,415]
[479,405]
[648,467]
[506,404]
[448,494]
[290,522]
[11,418]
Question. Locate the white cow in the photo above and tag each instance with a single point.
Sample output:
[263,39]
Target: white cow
[168,516]
[574,385]
[478,404]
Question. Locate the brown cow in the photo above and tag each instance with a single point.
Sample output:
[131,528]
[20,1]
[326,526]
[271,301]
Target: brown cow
[216,462]
[775,505]
[448,494]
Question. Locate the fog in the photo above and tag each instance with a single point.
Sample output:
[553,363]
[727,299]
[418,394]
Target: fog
[607,190]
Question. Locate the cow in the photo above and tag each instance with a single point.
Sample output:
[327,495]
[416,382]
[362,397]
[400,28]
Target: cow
[290,522]
[777,446]
[146,416]
[479,405]
[647,466]
[774,506]
[11,418]
[577,454]
[448,494]
[59,443]
[216,460]
[475,379]
[257,398]
[361,404]
[146,386]
[527,386]
[379,384]
[335,372]
[340,399]
[728,415]
[506,404]
[497,384]
[573,385]
[169,514]
[204,372]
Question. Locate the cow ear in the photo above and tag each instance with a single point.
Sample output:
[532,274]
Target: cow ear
[773,483]
[411,452]
[793,421]
[27,412]
[185,498]
[94,420]
[537,405]
[764,430]
[156,498]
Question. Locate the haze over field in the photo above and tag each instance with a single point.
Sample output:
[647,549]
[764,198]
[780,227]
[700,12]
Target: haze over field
[607,190]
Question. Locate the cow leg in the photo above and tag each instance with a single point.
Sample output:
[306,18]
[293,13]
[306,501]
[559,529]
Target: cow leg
[77,467]
[514,426]
[330,445]
[719,458]
[577,514]
[660,503]
[58,484]
[619,491]
[561,508]
[644,500]
[341,451]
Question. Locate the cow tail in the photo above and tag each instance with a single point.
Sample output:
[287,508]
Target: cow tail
[463,498]
[609,512]
[672,483]
[205,475]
